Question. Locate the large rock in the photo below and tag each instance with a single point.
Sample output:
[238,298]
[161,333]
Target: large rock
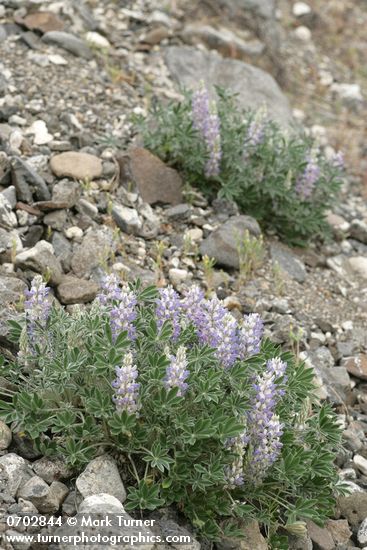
[96,246]
[353,507]
[288,262]
[80,166]
[27,182]
[252,539]
[120,523]
[359,265]
[156,182]
[222,243]
[101,476]
[41,259]
[76,291]
[320,536]
[68,42]
[254,86]
[47,499]
[13,472]
[357,366]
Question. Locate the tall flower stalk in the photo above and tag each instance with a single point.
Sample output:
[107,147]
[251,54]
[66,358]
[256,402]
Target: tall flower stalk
[207,122]
[126,387]
[37,308]
[306,182]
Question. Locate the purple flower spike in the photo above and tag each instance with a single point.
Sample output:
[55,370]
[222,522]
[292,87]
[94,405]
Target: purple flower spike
[37,307]
[206,121]
[338,160]
[306,182]
[228,343]
[126,388]
[123,315]
[168,309]
[250,335]
[234,472]
[177,372]
[264,427]
[110,290]
[192,304]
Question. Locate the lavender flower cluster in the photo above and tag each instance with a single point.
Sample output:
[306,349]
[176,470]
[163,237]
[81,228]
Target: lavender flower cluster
[306,182]
[265,429]
[206,121]
[37,308]
[255,133]
[126,387]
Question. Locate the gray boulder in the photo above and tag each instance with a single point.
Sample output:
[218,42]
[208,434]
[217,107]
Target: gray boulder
[188,66]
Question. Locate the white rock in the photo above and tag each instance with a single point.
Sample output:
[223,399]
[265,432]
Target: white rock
[347,325]
[18,120]
[177,276]
[359,265]
[195,234]
[362,532]
[57,59]
[361,463]
[16,139]
[5,436]
[40,132]
[300,8]
[101,476]
[7,216]
[97,40]
[101,503]
[348,91]
[74,233]
[303,33]
[13,471]
[326,78]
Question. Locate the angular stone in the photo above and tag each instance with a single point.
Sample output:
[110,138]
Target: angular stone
[13,472]
[7,217]
[98,506]
[320,536]
[353,507]
[288,262]
[56,220]
[51,469]
[101,476]
[252,538]
[156,182]
[67,192]
[339,530]
[43,21]
[47,499]
[254,86]
[97,244]
[127,219]
[337,383]
[361,463]
[357,366]
[68,42]
[222,243]
[358,230]
[5,436]
[101,503]
[76,291]
[41,259]
[80,166]
[362,533]
[27,182]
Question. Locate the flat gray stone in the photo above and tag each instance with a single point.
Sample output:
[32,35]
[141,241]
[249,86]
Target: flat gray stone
[188,66]
[68,42]
[288,262]
[222,243]
[97,244]
[76,291]
[41,259]
[27,182]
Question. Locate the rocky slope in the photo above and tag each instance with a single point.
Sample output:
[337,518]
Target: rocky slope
[71,76]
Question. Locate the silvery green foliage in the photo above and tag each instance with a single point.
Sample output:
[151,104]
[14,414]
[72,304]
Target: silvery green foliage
[204,413]
[282,179]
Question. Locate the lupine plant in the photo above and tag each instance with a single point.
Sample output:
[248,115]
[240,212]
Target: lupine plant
[280,177]
[200,410]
